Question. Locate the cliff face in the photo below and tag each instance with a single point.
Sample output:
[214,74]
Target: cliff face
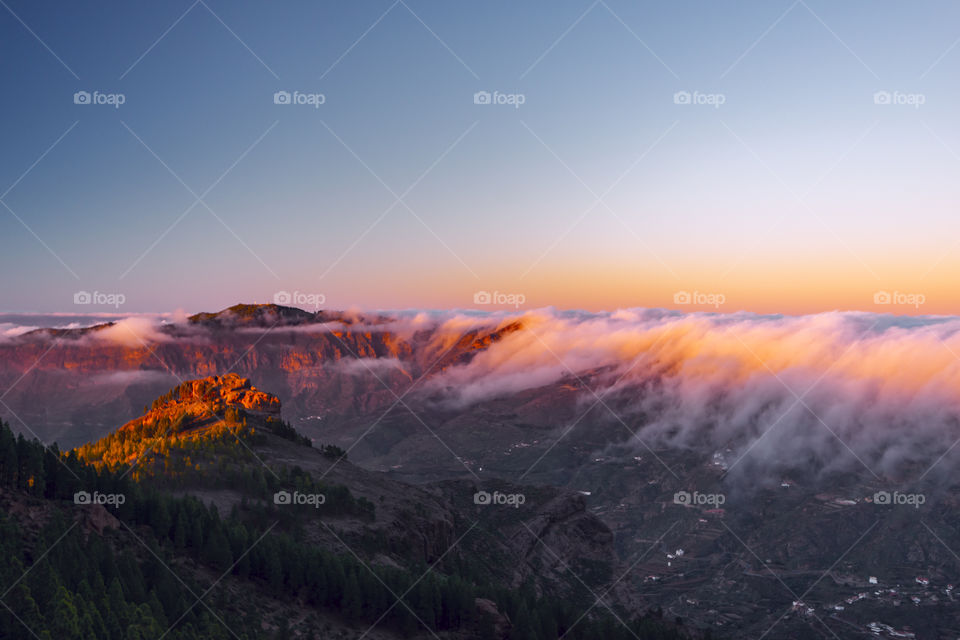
[216,393]
[71,385]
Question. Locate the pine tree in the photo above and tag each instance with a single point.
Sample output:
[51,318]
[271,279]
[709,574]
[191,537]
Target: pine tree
[64,623]
[143,626]
[180,530]
[8,456]
[216,550]
[21,600]
[524,624]
[351,603]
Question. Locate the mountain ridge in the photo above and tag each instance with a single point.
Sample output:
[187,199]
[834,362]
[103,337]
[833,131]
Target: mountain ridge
[222,419]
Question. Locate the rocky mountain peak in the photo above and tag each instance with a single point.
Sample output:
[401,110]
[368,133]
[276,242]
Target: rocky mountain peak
[215,394]
[254,315]
[217,408]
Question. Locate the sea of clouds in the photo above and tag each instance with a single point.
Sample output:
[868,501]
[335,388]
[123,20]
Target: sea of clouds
[831,391]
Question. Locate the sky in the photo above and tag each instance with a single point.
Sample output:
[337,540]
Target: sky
[773,156]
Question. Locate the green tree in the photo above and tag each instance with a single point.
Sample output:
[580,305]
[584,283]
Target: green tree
[351,602]
[65,622]
[143,626]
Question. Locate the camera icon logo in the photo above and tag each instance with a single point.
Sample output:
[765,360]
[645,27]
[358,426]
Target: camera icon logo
[282,297]
[482,297]
[81,97]
[82,497]
[682,297]
[882,97]
[282,497]
[681,97]
[82,297]
[481,97]
[881,497]
[481,497]
[682,497]
[882,297]
[281,97]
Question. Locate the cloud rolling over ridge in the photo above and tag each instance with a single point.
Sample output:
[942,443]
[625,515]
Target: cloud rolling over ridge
[828,392]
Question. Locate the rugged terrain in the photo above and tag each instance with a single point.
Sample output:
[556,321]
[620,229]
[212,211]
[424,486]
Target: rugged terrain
[323,366]
[221,441]
[805,553]
[203,428]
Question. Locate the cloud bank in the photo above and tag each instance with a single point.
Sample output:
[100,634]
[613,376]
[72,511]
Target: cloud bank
[829,392]
[826,392]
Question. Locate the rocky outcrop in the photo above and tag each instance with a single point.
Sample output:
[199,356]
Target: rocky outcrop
[230,390]
[488,612]
[96,518]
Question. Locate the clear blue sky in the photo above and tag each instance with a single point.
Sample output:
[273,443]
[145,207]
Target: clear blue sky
[797,193]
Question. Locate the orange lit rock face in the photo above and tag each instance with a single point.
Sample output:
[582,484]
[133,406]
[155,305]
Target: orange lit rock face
[201,403]
[75,386]
[205,409]
[227,390]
